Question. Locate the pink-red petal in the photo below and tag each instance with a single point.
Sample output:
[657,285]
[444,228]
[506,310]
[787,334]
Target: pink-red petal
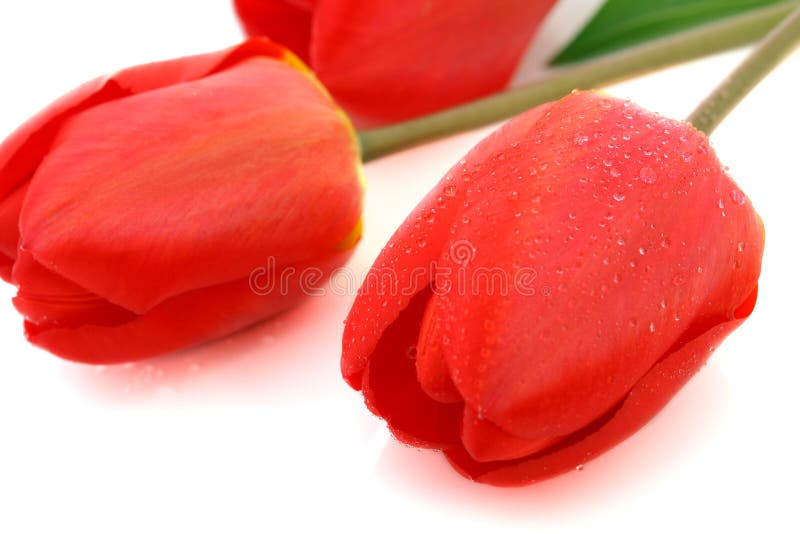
[637,236]
[432,371]
[645,399]
[23,150]
[391,389]
[409,263]
[180,322]
[485,442]
[194,185]
[10,207]
[388,61]
[286,22]
[47,299]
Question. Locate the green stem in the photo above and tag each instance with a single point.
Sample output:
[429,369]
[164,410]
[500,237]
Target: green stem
[715,37]
[775,46]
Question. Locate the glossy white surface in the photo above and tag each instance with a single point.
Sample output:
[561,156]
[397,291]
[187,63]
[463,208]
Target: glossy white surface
[258,433]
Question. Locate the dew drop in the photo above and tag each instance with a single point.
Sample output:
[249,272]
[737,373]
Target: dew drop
[619,196]
[647,175]
[615,173]
[642,251]
[738,197]
[652,327]
[580,139]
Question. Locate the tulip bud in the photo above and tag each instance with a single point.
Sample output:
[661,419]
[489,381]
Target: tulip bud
[555,290]
[389,61]
[134,209]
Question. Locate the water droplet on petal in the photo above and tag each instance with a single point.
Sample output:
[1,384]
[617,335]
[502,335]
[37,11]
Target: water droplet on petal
[738,197]
[647,175]
[619,196]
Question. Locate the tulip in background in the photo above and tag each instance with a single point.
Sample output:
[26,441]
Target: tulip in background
[133,210]
[638,252]
[386,61]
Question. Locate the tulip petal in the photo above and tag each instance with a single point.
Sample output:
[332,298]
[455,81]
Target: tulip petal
[391,389]
[644,400]
[154,223]
[22,152]
[48,299]
[408,264]
[485,442]
[388,61]
[432,371]
[288,23]
[9,230]
[401,271]
[180,322]
[587,196]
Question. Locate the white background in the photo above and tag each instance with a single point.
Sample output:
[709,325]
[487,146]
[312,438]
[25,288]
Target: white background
[258,433]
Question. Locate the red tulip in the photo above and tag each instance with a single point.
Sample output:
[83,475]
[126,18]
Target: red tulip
[387,61]
[134,209]
[628,255]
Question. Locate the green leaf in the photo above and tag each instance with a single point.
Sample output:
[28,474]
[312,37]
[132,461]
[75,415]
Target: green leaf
[623,23]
